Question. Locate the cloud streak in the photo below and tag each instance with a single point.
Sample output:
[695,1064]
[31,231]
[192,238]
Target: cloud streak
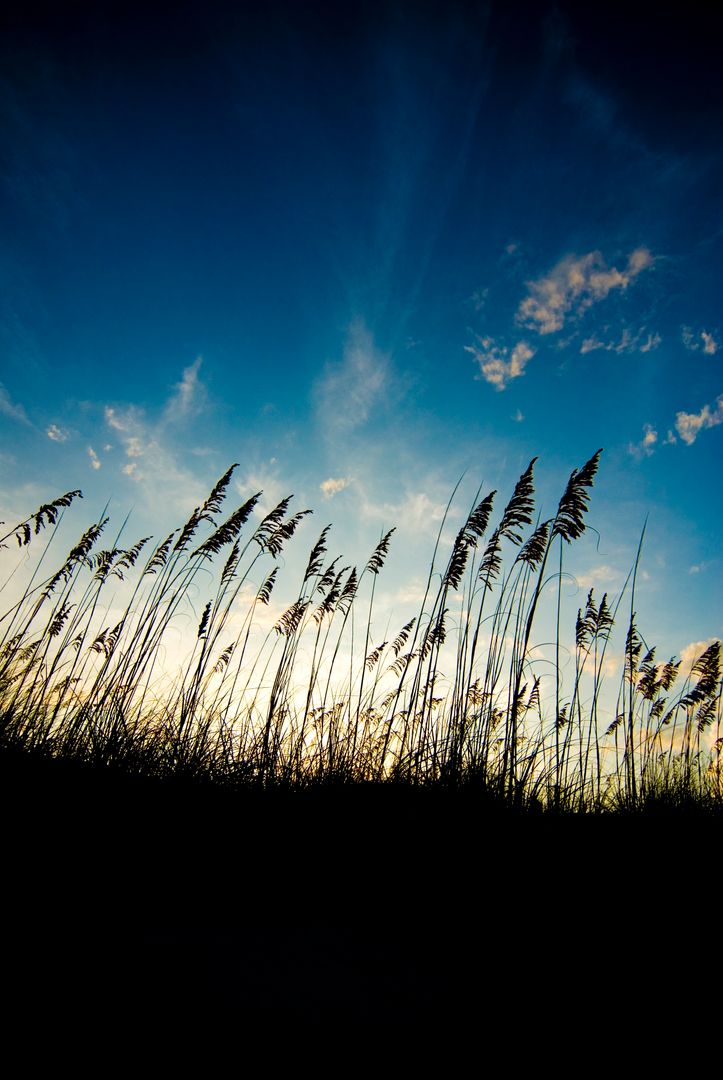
[12,409]
[628,343]
[350,390]
[189,395]
[574,285]
[151,459]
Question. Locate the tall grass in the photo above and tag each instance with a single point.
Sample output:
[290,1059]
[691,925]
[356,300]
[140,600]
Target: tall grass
[457,695]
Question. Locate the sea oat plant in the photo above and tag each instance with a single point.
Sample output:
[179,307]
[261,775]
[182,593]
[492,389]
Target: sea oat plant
[456,697]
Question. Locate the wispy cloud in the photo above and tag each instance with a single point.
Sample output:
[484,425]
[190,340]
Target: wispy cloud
[651,342]
[603,575]
[628,342]
[189,395]
[150,458]
[573,285]
[331,487]
[262,476]
[700,340]
[518,416]
[12,409]
[349,390]
[647,444]
[689,425]
[479,298]
[57,434]
[420,514]
[95,462]
[497,364]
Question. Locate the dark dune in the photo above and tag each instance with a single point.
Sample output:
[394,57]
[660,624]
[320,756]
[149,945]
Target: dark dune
[342,907]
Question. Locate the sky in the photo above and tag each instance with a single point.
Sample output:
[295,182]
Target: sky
[365,249]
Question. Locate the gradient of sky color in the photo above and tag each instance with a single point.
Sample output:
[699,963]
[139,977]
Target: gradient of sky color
[360,248]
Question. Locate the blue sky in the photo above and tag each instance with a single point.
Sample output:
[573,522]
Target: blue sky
[360,249]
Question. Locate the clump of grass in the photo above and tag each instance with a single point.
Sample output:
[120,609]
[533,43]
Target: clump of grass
[316,700]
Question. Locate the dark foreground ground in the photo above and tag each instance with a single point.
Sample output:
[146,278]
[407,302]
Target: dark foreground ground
[132,910]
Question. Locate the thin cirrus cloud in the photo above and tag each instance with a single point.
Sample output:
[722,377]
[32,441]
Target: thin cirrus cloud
[690,425]
[498,365]
[189,395]
[598,576]
[628,343]
[574,285]
[349,390]
[10,408]
[57,434]
[151,458]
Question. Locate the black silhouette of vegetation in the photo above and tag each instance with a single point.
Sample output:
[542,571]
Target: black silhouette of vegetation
[455,699]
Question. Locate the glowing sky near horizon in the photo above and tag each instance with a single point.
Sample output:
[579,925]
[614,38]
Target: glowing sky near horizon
[360,249]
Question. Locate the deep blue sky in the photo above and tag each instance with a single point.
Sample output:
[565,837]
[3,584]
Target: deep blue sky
[403,239]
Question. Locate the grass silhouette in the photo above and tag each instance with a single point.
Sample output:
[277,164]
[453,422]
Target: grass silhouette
[310,827]
[317,701]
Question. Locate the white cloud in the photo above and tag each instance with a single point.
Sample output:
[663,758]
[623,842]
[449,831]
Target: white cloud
[695,341]
[693,652]
[349,390]
[573,285]
[189,395]
[134,446]
[94,459]
[331,487]
[689,425]
[603,575]
[518,416]
[135,433]
[710,345]
[645,447]
[118,421]
[498,366]
[57,434]
[652,342]
[10,408]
